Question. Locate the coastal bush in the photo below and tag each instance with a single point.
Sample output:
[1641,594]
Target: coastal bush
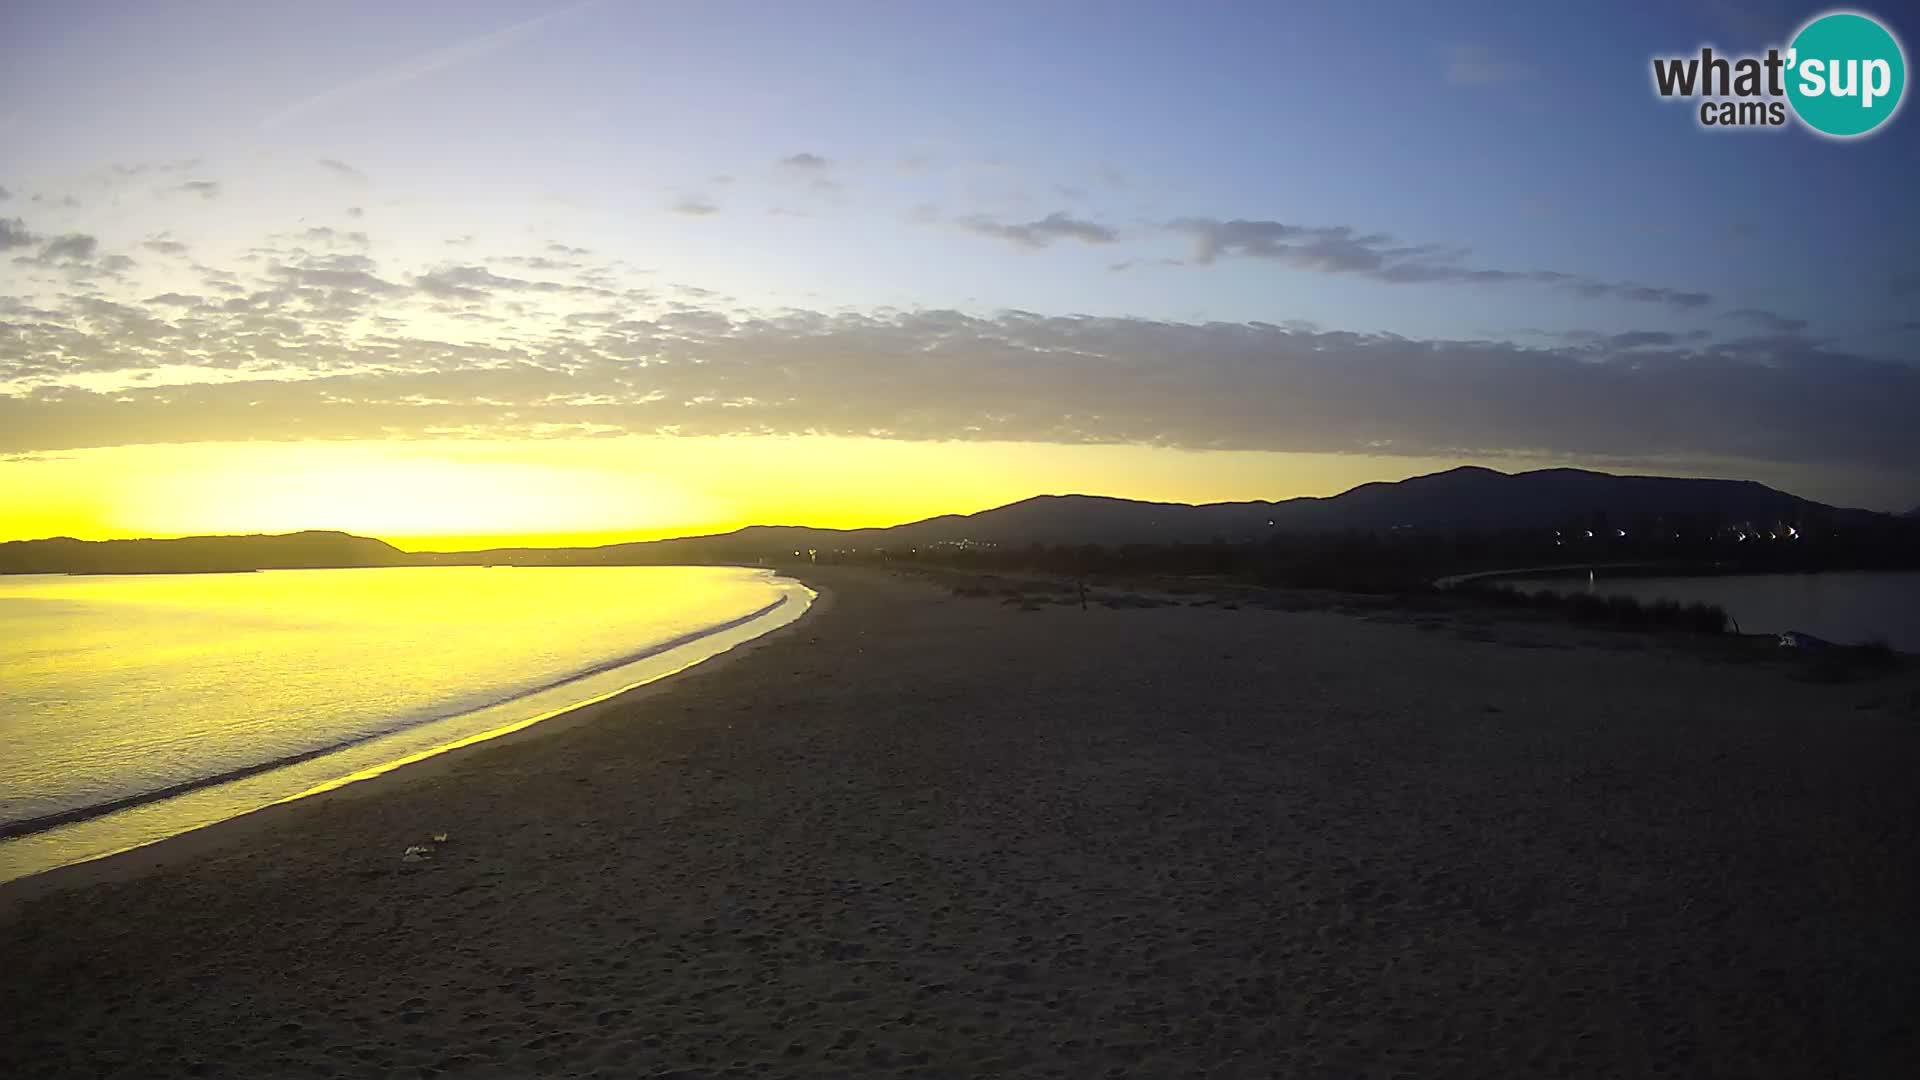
[1586,607]
[1625,612]
[1706,618]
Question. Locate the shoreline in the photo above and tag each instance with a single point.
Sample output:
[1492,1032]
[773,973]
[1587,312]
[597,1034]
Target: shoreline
[26,827]
[961,835]
[144,858]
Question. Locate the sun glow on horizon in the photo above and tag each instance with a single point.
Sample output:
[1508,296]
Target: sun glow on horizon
[453,494]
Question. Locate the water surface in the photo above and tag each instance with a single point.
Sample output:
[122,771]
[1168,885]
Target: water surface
[134,707]
[1847,607]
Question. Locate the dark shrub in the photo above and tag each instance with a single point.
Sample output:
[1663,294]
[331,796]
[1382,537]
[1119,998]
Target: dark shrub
[1665,613]
[1586,607]
[1625,611]
[1706,618]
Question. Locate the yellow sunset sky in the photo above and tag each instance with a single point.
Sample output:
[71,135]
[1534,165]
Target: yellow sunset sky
[524,272]
[423,495]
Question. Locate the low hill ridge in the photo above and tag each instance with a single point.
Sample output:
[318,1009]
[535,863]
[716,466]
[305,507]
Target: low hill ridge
[1469,498]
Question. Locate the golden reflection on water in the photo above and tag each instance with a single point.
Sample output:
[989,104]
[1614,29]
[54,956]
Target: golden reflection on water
[118,685]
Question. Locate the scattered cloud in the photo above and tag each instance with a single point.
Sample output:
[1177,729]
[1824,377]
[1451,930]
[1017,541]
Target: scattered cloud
[13,234]
[343,170]
[806,162]
[1342,249]
[1633,339]
[1767,320]
[313,346]
[164,245]
[69,247]
[694,206]
[474,283]
[1476,65]
[328,236]
[1037,234]
[206,189]
[5,194]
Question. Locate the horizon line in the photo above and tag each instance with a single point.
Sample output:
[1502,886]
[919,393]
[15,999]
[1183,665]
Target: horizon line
[394,541]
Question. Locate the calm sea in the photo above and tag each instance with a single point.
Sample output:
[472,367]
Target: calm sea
[136,707]
[1849,608]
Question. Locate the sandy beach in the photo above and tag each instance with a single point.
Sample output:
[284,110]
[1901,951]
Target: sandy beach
[920,834]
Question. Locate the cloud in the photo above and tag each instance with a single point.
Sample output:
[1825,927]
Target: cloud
[329,236]
[1767,320]
[5,194]
[69,247]
[329,284]
[477,283]
[1639,339]
[806,162]
[206,189]
[1037,234]
[13,234]
[343,170]
[1476,65]
[694,206]
[1342,249]
[418,67]
[175,300]
[296,365]
[164,246]
[330,343]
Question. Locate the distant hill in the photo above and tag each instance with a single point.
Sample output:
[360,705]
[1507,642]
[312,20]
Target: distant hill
[1467,499]
[196,554]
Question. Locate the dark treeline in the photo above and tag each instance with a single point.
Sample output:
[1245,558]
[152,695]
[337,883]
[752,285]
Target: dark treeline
[1409,560]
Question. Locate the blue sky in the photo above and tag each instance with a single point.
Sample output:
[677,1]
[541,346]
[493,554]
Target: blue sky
[1121,161]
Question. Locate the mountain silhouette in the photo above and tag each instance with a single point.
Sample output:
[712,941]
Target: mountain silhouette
[197,554]
[1466,499]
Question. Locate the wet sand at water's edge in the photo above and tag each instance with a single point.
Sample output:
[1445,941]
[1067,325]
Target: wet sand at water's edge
[929,835]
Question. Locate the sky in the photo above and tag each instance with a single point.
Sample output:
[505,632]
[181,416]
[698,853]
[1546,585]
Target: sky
[490,270]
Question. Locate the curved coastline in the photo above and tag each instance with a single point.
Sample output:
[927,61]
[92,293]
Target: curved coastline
[28,826]
[808,598]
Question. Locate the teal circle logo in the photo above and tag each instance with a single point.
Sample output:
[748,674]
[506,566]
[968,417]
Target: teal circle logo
[1846,74]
